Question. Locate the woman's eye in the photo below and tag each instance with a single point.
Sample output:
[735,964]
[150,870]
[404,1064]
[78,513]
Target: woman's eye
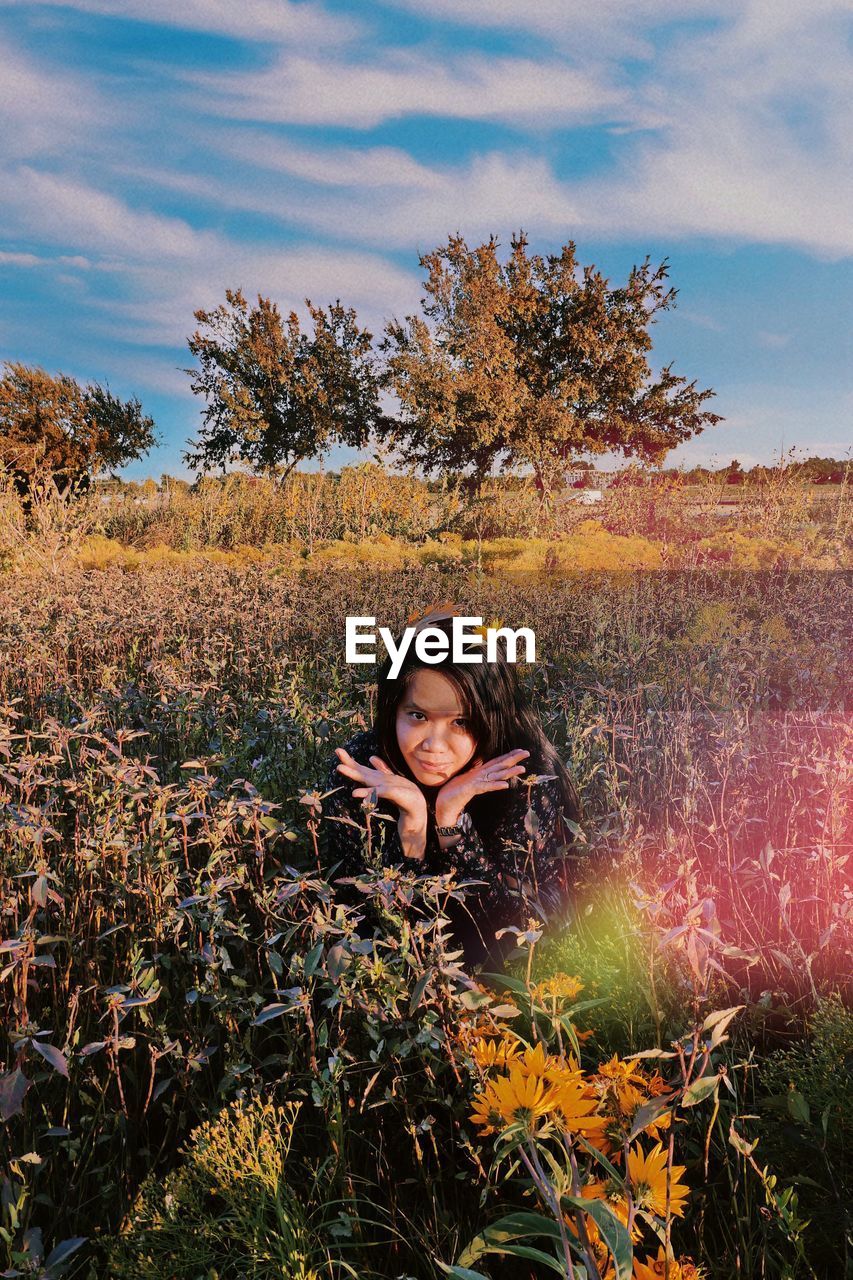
[463,723]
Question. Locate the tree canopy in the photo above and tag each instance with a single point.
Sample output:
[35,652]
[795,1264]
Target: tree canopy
[532,361]
[277,395]
[52,423]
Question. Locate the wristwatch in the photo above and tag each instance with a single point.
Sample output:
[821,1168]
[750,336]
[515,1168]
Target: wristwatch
[449,831]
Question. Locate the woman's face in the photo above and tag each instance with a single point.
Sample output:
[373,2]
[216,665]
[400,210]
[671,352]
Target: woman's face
[434,737]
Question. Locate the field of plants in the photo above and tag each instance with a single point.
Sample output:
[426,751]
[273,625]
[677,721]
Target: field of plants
[221,1062]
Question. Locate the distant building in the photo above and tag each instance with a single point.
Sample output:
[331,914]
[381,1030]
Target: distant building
[593,478]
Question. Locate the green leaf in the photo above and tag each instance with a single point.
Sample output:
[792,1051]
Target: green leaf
[535,1255]
[568,1027]
[699,1090]
[461,1273]
[474,999]
[57,1257]
[583,1005]
[614,1234]
[505,1011]
[312,960]
[718,1016]
[418,991]
[798,1108]
[514,1226]
[612,1171]
[649,1053]
[504,980]
[272,1011]
[647,1113]
[717,1023]
[337,961]
[54,1056]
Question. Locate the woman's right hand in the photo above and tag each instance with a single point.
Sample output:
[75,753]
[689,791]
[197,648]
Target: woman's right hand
[478,779]
[402,792]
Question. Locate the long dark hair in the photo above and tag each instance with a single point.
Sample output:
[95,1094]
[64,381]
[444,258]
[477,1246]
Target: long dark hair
[501,718]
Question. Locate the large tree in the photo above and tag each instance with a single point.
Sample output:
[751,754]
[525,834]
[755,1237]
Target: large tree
[275,394]
[532,361]
[53,424]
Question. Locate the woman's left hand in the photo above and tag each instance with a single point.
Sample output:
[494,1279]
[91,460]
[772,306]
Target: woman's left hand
[481,777]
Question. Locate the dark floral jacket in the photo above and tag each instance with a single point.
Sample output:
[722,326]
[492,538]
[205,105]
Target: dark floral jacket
[520,863]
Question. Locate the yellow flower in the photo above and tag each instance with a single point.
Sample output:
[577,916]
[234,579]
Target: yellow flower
[576,1108]
[489,1052]
[662,1267]
[613,1196]
[535,1061]
[600,1251]
[524,1098]
[486,1111]
[560,986]
[621,1073]
[656,1085]
[648,1176]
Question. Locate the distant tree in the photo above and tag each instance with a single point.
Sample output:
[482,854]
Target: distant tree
[735,473]
[53,424]
[532,361]
[699,475]
[275,394]
[822,470]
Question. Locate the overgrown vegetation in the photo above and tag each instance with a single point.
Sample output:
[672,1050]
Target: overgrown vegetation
[174,943]
[367,515]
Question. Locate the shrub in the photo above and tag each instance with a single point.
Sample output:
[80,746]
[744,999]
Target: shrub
[807,1129]
[231,1208]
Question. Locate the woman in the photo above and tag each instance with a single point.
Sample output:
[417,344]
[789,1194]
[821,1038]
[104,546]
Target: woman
[446,759]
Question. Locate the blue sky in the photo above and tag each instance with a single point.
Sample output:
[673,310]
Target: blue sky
[153,154]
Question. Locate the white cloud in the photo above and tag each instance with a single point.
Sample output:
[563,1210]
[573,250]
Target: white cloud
[331,166]
[391,85]
[758,142]
[160,310]
[73,214]
[20,260]
[256,20]
[602,25]
[399,204]
[43,112]
[40,260]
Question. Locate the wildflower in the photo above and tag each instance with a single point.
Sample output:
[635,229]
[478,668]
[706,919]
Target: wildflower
[576,1108]
[513,1099]
[648,1178]
[613,1195]
[560,986]
[548,1066]
[623,1088]
[486,1111]
[490,1052]
[600,1251]
[665,1267]
[622,1074]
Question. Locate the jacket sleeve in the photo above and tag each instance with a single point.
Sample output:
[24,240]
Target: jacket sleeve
[521,864]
